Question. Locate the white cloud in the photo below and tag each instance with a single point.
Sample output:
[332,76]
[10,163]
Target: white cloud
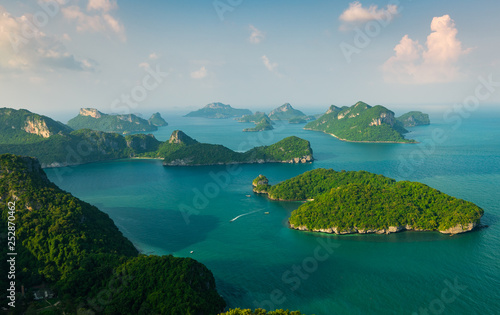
[99,21]
[199,74]
[24,50]
[153,56]
[436,62]
[271,66]
[102,5]
[66,37]
[144,65]
[256,36]
[356,14]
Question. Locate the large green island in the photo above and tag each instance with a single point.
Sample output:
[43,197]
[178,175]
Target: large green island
[364,123]
[182,150]
[363,202]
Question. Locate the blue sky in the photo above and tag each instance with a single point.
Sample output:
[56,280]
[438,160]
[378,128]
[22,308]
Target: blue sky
[425,55]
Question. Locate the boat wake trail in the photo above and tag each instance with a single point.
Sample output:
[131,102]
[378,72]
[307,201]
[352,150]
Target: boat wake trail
[236,218]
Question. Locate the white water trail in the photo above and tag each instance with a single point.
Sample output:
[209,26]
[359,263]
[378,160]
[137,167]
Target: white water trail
[236,218]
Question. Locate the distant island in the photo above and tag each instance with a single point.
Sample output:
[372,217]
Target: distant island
[72,249]
[264,124]
[297,120]
[287,112]
[91,118]
[218,111]
[363,202]
[283,113]
[361,123]
[413,119]
[255,118]
[182,150]
[57,145]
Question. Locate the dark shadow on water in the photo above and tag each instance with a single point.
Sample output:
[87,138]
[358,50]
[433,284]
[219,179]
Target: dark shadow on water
[166,229]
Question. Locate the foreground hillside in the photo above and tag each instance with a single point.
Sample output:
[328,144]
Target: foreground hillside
[361,123]
[362,202]
[78,252]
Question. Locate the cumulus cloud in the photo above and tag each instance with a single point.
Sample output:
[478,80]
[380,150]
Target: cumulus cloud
[256,36]
[25,47]
[96,19]
[437,61]
[144,65]
[153,56]
[271,66]
[102,5]
[356,14]
[200,73]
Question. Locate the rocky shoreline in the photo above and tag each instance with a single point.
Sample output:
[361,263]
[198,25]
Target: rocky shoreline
[458,229]
[298,160]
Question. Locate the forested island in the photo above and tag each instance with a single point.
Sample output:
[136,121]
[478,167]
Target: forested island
[182,150]
[255,118]
[363,202]
[264,124]
[283,113]
[218,111]
[287,112]
[363,123]
[414,118]
[91,118]
[56,145]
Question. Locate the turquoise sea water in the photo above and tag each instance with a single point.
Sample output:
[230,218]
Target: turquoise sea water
[258,262]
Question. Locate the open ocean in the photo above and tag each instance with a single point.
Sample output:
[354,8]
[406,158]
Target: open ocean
[258,262]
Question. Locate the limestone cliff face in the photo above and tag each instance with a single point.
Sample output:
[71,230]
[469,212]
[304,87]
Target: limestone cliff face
[332,109]
[37,126]
[283,108]
[385,118]
[392,229]
[92,112]
[178,136]
[460,228]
